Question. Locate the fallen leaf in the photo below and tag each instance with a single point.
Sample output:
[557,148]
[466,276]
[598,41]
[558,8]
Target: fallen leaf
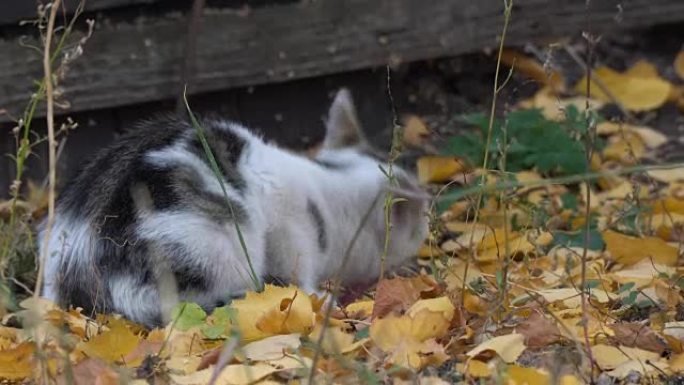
[478,369]
[630,250]
[271,348]
[539,331]
[15,363]
[112,345]
[637,335]
[276,310]
[532,69]
[571,296]
[633,90]
[92,371]
[668,175]
[415,131]
[679,64]
[554,108]
[508,347]
[360,309]
[610,357]
[434,169]
[409,338]
[520,375]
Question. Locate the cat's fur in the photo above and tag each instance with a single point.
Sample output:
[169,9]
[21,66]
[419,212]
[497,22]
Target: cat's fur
[149,207]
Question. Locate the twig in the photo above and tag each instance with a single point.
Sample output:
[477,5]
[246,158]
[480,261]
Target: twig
[508,7]
[590,140]
[395,149]
[599,83]
[52,154]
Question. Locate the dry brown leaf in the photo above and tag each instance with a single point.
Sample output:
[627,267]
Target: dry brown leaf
[509,347]
[539,331]
[398,294]
[92,371]
[637,335]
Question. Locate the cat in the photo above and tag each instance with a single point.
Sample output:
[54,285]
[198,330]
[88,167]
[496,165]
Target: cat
[149,210]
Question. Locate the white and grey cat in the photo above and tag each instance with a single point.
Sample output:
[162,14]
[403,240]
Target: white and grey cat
[150,206]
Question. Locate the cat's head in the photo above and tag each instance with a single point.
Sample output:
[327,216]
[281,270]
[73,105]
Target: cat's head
[345,147]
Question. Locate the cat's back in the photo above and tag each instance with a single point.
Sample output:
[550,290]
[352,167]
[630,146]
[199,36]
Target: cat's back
[102,179]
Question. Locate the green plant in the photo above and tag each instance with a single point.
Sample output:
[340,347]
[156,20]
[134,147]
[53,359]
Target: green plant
[531,140]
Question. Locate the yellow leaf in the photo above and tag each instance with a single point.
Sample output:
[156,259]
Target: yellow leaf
[15,364]
[677,363]
[428,251]
[667,175]
[679,64]
[633,90]
[570,380]
[623,191]
[626,148]
[435,169]
[642,273]
[669,205]
[520,375]
[276,310]
[112,345]
[508,347]
[571,297]
[363,308]
[642,69]
[335,340]
[440,304]
[271,348]
[493,245]
[415,131]
[532,69]
[478,369]
[630,250]
[236,374]
[610,357]
[638,366]
[553,107]
[409,338]
[456,272]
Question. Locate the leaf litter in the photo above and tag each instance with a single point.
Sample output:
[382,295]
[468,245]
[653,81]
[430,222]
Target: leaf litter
[497,300]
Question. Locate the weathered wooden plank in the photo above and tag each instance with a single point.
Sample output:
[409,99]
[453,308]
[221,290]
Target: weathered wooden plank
[140,61]
[13,11]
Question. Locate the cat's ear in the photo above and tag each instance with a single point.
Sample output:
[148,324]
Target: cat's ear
[342,126]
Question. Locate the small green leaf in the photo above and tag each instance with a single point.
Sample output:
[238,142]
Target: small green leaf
[187,315]
[213,332]
[630,299]
[569,201]
[626,287]
[361,334]
[576,239]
